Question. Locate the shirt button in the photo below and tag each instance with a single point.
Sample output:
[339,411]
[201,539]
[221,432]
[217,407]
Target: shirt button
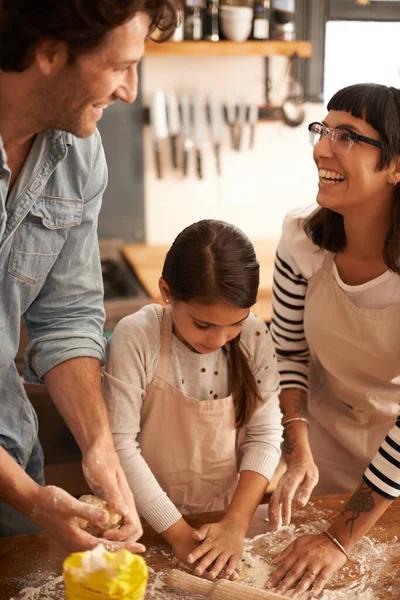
[1,175]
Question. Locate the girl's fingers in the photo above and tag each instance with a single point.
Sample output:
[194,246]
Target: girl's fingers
[232,566]
[206,561]
[200,551]
[218,565]
[201,533]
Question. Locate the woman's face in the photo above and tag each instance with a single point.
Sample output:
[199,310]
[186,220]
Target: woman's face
[206,328]
[350,182]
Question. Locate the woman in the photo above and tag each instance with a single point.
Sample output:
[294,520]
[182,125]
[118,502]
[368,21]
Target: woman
[336,325]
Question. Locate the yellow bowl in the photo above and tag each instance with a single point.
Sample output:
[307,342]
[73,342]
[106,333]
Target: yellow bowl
[102,575]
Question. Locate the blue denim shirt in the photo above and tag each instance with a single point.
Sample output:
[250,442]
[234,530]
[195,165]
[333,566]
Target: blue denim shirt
[50,271]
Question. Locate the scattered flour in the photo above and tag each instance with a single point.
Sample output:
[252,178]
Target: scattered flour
[352,582]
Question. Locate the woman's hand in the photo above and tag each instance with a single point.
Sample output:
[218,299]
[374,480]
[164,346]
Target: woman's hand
[307,562]
[296,483]
[222,546]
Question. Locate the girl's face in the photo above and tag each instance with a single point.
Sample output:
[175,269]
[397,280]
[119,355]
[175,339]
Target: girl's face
[206,328]
[350,181]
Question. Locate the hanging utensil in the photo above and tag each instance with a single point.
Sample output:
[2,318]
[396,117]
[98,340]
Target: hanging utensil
[199,129]
[186,131]
[231,120]
[174,124]
[217,126]
[293,111]
[240,122]
[159,127]
[253,118]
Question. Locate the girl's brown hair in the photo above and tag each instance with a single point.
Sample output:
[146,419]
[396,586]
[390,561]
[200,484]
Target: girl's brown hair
[82,24]
[213,261]
[380,107]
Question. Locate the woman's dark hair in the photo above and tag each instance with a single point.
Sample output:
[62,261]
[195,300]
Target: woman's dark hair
[213,261]
[379,106]
[82,24]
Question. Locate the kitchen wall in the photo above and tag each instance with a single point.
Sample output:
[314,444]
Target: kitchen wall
[257,187]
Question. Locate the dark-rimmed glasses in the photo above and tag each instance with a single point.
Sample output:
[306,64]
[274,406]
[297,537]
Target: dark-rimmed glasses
[340,138]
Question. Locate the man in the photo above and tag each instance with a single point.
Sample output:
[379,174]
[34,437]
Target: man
[61,64]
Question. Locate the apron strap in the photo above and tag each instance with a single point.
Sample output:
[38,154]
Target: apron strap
[328,261]
[166,340]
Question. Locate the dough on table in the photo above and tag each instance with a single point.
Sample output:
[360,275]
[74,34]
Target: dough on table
[114,522]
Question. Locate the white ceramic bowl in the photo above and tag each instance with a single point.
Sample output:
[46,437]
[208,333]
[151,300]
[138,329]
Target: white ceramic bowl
[236,31]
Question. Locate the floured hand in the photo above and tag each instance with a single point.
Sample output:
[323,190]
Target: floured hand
[104,474]
[57,512]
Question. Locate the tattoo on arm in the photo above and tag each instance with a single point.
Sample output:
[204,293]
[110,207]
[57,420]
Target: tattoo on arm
[362,501]
[300,403]
[289,443]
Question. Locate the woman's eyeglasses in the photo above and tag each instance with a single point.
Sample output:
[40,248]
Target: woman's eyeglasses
[341,139]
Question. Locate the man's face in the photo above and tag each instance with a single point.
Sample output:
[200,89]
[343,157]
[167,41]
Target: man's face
[74,98]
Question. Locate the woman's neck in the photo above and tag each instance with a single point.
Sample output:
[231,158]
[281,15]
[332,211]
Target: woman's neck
[366,234]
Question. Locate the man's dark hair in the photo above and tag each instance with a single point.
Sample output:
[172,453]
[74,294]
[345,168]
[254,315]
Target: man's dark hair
[82,24]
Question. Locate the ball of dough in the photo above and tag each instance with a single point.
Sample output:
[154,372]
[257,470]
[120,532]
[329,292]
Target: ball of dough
[97,529]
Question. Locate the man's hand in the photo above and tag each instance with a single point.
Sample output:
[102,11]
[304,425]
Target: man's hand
[297,483]
[57,513]
[104,474]
[222,547]
[307,562]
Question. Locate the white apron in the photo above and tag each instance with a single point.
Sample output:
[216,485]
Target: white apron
[354,380]
[189,444]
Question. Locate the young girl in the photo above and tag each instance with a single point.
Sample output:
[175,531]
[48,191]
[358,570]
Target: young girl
[192,391]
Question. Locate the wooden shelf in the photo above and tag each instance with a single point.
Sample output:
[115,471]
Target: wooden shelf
[224,48]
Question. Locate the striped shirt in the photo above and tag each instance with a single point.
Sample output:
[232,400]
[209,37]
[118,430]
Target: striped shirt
[297,259]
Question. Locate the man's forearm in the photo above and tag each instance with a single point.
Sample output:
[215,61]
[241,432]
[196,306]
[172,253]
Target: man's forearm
[360,513]
[75,388]
[16,487]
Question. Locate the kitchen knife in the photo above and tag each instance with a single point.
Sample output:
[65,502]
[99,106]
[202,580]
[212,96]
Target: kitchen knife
[217,126]
[253,118]
[159,127]
[241,120]
[222,589]
[199,128]
[231,120]
[174,124]
[186,131]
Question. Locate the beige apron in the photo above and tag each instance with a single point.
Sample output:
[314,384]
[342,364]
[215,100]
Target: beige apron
[354,380]
[189,444]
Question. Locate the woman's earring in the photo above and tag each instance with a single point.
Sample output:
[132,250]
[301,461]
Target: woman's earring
[166,300]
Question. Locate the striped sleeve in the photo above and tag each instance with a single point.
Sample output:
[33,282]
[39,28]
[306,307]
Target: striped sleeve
[383,474]
[287,329]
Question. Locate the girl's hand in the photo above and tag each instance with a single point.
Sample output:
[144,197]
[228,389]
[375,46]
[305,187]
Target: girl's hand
[180,538]
[308,561]
[222,546]
[297,483]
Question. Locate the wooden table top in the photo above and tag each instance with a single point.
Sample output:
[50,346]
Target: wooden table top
[28,561]
[147,261]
